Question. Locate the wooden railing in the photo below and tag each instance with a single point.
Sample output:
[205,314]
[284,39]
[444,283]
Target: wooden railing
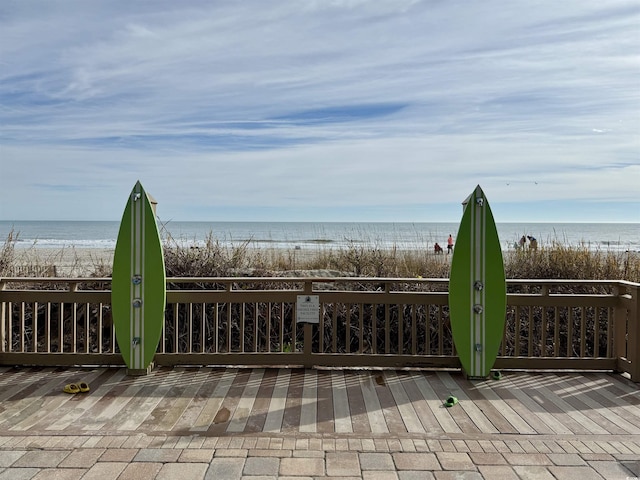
[368,322]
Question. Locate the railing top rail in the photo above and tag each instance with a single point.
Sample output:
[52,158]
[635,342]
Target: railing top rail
[305,279]
[367,280]
[558,281]
[55,279]
[516,281]
[511,281]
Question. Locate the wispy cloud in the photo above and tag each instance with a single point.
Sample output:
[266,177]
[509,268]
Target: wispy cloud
[339,105]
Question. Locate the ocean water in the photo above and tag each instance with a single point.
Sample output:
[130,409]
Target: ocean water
[311,235]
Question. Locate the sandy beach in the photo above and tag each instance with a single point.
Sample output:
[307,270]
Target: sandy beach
[61,262]
[85,262]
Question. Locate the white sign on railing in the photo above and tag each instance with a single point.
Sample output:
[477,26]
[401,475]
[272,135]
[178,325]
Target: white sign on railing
[308,309]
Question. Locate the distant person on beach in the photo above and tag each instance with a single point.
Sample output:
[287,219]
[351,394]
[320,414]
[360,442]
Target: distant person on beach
[533,243]
[449,245]
[523,240]
[437,248]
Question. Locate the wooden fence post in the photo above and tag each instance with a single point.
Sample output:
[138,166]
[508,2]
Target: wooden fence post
[307,358]
[3,314]
[633,340]
[620,330]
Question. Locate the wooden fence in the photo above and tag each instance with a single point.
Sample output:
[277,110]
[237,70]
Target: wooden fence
[363,322]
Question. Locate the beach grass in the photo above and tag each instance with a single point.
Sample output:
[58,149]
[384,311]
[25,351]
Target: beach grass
[217,259]
[554,261]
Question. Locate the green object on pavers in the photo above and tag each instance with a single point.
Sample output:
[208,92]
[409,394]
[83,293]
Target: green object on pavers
[451,401]
[138,286]
[477,288]
[496,375]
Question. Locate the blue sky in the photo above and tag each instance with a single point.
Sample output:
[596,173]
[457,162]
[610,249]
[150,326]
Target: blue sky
[343,110]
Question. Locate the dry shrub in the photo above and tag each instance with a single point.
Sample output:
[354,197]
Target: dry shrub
[214,259]
[209,260]
[579,263]
[7,253]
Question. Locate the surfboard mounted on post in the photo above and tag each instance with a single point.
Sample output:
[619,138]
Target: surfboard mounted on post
[477,288]
[138,284]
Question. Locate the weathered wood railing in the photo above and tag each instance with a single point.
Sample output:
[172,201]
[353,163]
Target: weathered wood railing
[369,322]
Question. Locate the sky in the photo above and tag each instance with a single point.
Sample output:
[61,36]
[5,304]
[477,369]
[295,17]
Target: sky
[335,110]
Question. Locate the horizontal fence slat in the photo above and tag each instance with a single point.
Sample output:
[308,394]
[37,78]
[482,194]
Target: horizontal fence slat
[556,363]
[60,359]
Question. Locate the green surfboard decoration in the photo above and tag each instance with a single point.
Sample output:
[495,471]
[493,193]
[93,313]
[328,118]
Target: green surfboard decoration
[138,284]
[477,288]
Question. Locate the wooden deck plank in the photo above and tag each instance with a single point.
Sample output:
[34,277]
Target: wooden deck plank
[535,409]
[507,396]
[193,406]
[475,414]
[30,398]
[155,389]
[273,421]
[230,402]
[25,400]
[137,412]
[59,402]
[98,400]
[166,413]
[624,384]
[83,404]
[110,404]
[440,413]
[341,410]
[23,381]
[309,406]
[486,389]
[460,415]
[485,408]
[136,409]
[357,407]
[533,385]
[405,406]
[610,398]
[214,402]
[258,416]
[241,415]
[35,411]
[419,404]
[388,405]
[575,394]
[293,404]
[326,423]
[19,378]
[589,425]
[618,387]
[375,416]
